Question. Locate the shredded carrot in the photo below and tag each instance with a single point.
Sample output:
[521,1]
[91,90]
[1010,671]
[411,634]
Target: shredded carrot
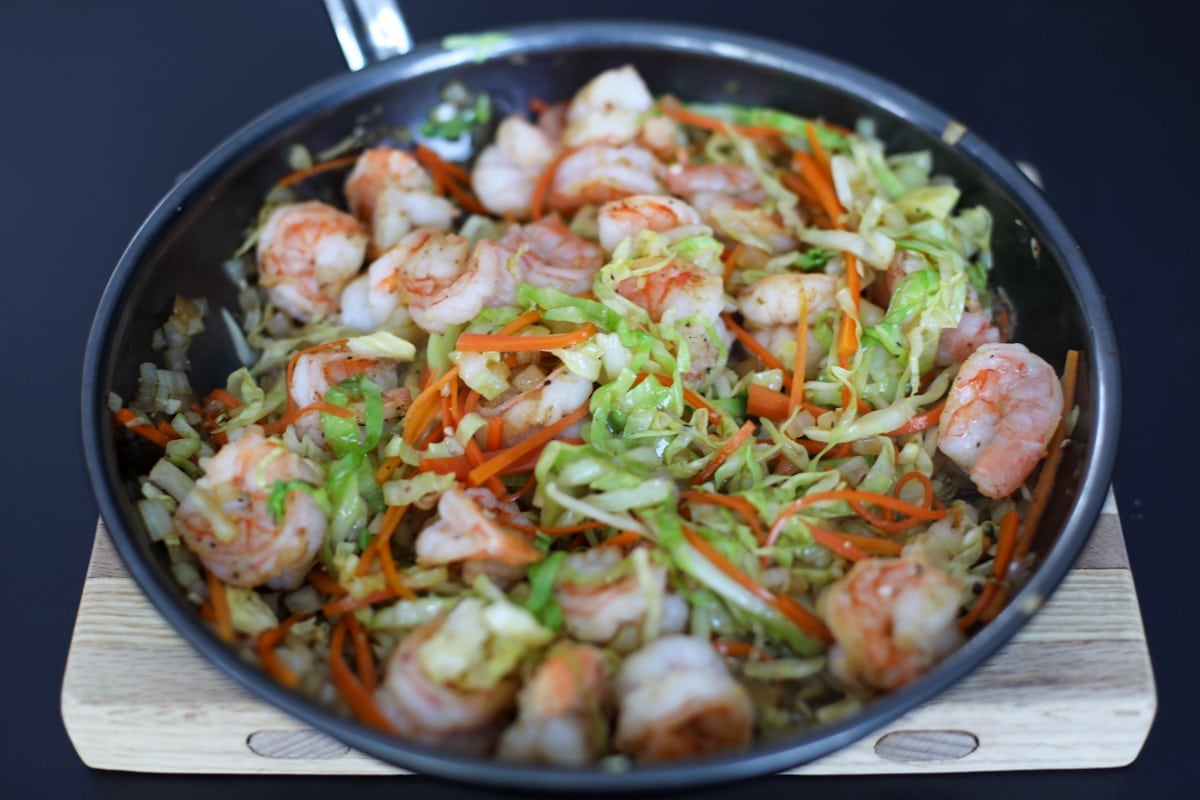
[491,343]
[344,605]
[796,185]
[265,648]
[471,402]
[352,689]
[225,398]
[391,521]
[432,161]
[164,427]
[299,175]
[728,449]
[476,457]
[921,421]
[1005,546]
[755,347]
[763,402]
[851,495]
[814,448]
[363,658]
[504,458]
[526,487]
[542,186]
[675,111]
[796,613]
[731,501]
[801,360]
[147,432]
[735,649]
[220,608]
[730,260]
[814,144]
[1054,453]
[451,177]
[321,580]
[424,407]
[623,538]
[495,433]
[387,469]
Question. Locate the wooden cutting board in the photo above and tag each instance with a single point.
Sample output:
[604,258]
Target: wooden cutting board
[1074,689]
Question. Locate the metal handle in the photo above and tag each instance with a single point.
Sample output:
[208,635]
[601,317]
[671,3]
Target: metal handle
[368,30]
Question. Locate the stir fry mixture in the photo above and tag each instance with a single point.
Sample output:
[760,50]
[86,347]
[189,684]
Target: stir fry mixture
[654,430]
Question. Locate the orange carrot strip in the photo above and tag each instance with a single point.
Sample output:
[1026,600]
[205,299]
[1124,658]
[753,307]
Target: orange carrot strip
[224,398]
[423,408]
[755,347]
[220,608]
[476,457]
[349,603]
[147,432]
[542,186]
[351,688]
[692,399]
[850,495]
[621,539]
[921,421]
[675,111]
[364,659]
[504,458]
[264,646]
[799,616]
[763,402]
[734,649]
[513,497]
[734,502]
[820,184]
[293,178]
[727,449]
[730,260]
[495,433]
[1054,454]
[814,144]
[433,161]
[801,360]
[1005,546]
[323,582]
[387,469]
[490,343]
[391,521]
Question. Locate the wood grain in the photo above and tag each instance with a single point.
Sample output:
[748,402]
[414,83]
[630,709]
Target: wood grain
[1074,689]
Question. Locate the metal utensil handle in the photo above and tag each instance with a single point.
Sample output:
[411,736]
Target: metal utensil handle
[368,30]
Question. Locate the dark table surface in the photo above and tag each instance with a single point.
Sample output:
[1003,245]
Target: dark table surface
[106,104]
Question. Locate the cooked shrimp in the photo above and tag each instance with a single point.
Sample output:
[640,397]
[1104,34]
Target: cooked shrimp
[442,286]
[775,300]
[562,710]
[392,193]
[464,534]
[226,522]
[536,401]
[661,136]
[730,180]
[598,610]
[681,291]
[892,619]
[307,252]
[598,173]
[999,416]
[314,374]
[607,108]
[744,221]
[678,700]
[623,219]
[974,330]
[554,256]
[371,301]
[423,710]
[507,170]
[380,167]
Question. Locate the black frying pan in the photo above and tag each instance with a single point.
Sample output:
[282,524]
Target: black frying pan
[182,244]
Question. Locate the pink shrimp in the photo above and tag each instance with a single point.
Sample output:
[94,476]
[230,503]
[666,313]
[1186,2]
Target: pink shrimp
[464,534]
[999,416]
[554,256]
[225,518]
[598,173]
[562,710]
[307,252]
[892,619]
[623,219]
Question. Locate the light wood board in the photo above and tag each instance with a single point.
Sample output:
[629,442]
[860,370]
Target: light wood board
[1074,689]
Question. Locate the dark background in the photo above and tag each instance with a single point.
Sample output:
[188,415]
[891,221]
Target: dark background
[105,104]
